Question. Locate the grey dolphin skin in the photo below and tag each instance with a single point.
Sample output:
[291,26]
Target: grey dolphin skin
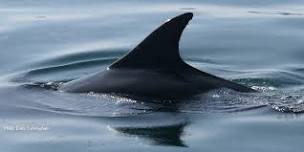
[154,70]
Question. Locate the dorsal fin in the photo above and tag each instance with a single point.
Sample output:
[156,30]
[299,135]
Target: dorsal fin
[160,49]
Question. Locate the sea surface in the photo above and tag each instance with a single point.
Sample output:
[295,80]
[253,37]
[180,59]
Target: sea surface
[257,43]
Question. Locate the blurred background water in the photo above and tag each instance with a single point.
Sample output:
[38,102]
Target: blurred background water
[46,43]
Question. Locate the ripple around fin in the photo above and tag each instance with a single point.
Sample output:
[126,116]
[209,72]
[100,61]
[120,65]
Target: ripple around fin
[71,66]
[85,55]
[111,105]
[289,108]
[276,13]
[289,102]
[200,60]
[68,63]
[61,72]
[44,85]
[275,79]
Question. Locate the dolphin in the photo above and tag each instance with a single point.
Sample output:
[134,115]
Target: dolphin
[154,70]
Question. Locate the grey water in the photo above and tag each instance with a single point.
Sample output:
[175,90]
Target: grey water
[44,44]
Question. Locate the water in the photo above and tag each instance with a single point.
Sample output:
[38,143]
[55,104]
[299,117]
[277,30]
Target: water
[256,43]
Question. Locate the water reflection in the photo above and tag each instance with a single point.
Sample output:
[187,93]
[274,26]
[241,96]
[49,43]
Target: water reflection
[160,135]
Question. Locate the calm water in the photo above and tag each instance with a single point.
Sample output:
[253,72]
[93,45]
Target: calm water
[46,43]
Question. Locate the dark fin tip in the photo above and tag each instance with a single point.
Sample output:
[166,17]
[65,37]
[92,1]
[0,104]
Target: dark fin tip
[188,16]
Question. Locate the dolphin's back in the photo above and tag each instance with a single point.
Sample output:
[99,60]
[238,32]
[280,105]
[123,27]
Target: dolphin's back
[154,69]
